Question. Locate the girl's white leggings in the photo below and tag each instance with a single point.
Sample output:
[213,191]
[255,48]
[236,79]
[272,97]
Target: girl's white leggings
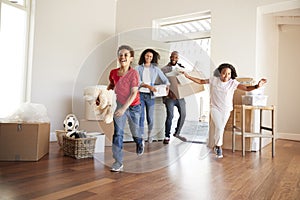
[217,125]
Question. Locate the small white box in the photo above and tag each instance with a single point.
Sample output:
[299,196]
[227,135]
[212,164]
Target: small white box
[99,146]
[161,90]
[254,100]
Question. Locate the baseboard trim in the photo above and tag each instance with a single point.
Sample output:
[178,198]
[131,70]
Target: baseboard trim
[53,137]
[288,136]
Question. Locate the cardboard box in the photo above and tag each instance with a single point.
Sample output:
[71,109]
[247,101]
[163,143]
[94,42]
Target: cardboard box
[252,144]
[99,126]
[246,81]
[183,87]
[237,96]
[99,146]
[24,141]
[248,120]
[227,142]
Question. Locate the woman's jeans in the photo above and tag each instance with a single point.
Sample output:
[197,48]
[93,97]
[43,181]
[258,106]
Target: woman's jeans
[132,114]
[148,103]
[170,104]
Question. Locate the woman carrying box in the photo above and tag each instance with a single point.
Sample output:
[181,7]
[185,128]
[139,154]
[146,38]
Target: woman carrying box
[149,72]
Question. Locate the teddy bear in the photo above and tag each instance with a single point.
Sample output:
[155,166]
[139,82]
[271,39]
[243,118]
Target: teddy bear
[104,105]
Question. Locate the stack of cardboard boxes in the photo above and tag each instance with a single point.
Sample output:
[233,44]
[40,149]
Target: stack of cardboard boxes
[252,144]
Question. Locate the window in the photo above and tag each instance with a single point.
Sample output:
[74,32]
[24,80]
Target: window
[181,28]
[13,54]
[188,34]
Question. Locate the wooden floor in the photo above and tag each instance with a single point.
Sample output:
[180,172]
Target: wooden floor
[179,170]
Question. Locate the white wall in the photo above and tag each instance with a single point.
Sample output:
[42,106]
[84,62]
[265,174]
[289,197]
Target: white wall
[288,81]
[65,34]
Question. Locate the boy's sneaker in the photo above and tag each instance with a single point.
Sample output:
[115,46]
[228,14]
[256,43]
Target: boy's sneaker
[166,140]
[140,148]
[180,137]
[218,151]
[117,167]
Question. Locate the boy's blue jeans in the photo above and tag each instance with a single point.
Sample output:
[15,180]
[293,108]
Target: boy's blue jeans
[132,114]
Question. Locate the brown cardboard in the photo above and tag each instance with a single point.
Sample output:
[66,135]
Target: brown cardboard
[24,141]
[99,126]
[182,90]
[227,141]
[237,100]
[248,120]
[245,81]
[237,97]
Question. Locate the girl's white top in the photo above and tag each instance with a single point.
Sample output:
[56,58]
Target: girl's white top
[222,93]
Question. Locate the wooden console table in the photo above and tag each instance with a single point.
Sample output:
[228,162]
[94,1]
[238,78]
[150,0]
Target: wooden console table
[261,134]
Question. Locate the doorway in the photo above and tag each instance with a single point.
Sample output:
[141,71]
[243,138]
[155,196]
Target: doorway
[190,36]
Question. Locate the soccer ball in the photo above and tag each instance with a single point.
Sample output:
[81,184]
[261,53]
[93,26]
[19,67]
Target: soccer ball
[71,124]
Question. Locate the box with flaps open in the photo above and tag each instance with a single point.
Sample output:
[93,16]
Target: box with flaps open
[24,141]
[183,87]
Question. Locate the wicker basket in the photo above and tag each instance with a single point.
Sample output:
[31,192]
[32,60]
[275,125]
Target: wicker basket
[80,147]
[59,136]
